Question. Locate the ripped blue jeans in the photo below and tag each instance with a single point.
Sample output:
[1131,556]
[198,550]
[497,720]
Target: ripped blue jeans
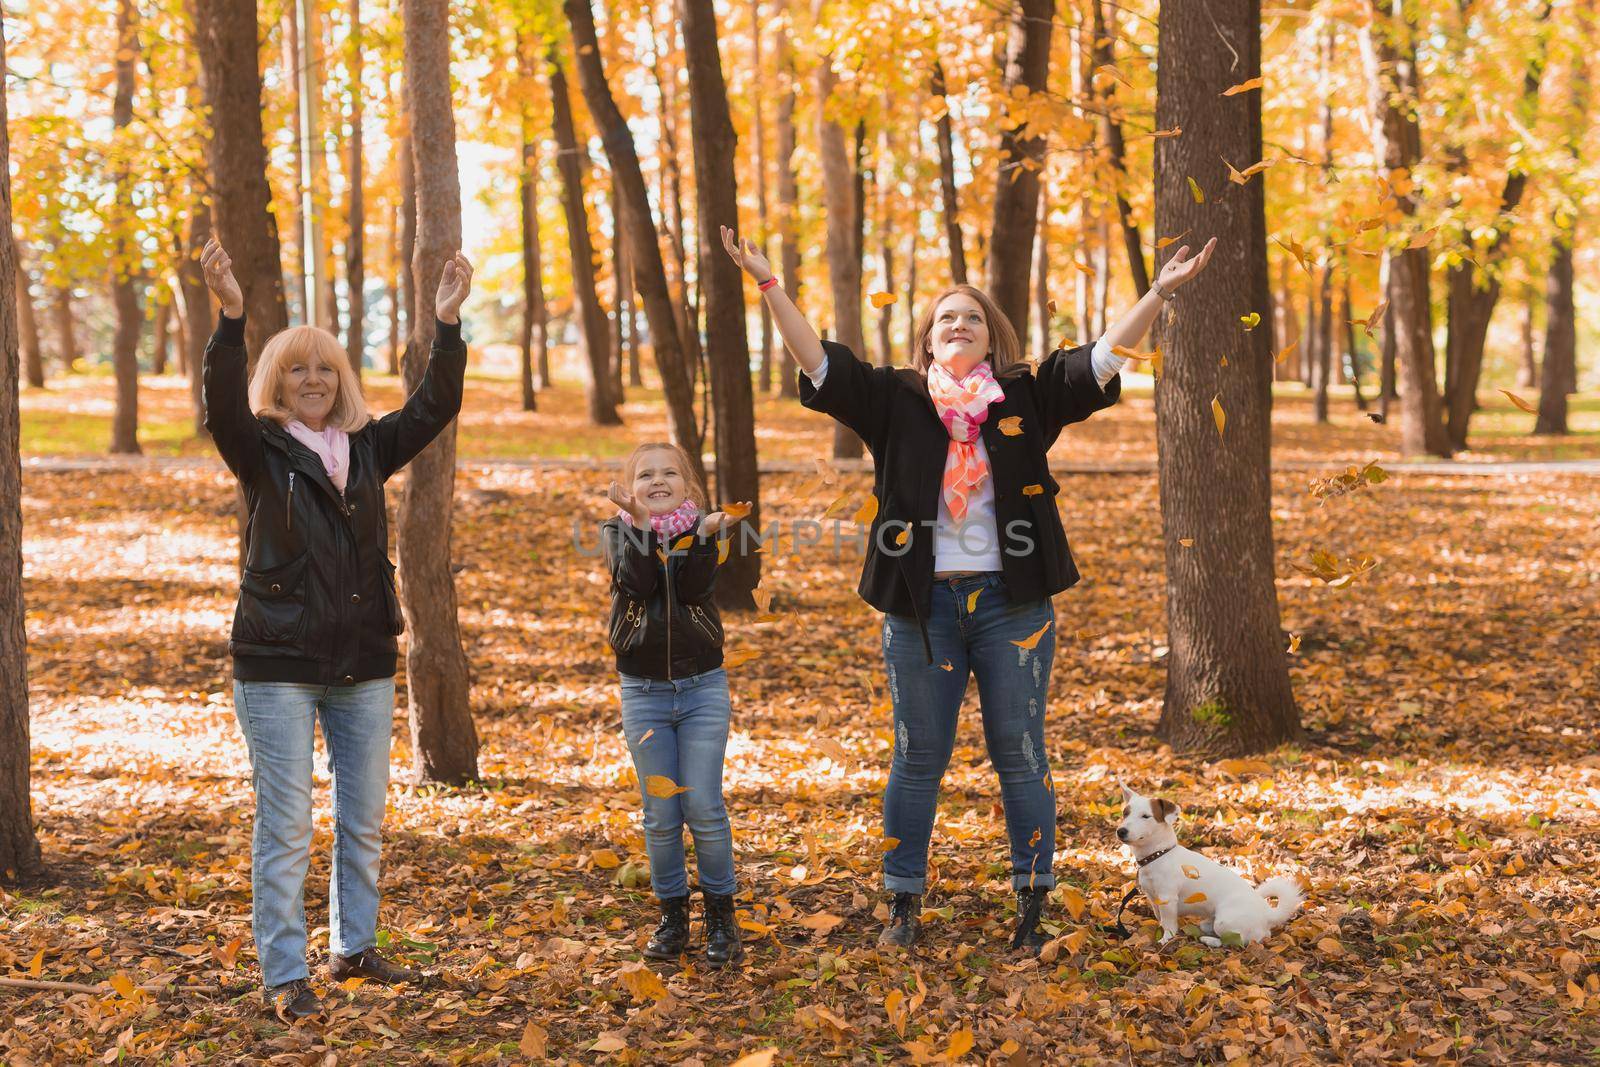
[980,638]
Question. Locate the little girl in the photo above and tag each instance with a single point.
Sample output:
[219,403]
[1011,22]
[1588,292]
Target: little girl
[667,636]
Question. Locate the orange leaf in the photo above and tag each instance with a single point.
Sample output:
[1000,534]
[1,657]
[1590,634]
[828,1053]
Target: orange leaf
[533,1041]
[1189,871]
[1195,898]
[1519,402]
[659,785]
[1288,350]
[737,511]
[739,657]
[606,859]
[947,666]
[1220,416]
[1032,490]
[724,546]
[124,986]
[821,922]
[881,300]
[1032,640]
[763,1058]
[900,538]
[960,1044]
[1242,87]
[866,513]
[1011,426]
[1165,241]
[972,601]
[889,844]
[1186,542]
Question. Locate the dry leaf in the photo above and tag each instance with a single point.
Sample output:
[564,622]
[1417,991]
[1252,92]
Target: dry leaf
[972,600]
[1519,402]
[1219,416]
[533,1041]
[1032,640]
[1242,87]
[1011,425]
[1194,191]
[659,785]
[882,300]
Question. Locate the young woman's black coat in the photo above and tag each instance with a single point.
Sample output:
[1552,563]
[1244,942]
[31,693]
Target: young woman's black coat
[317,598]
[891,411]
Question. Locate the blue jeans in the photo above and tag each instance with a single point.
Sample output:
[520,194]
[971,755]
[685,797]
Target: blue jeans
[679,730]
[278,719]
[1012,684]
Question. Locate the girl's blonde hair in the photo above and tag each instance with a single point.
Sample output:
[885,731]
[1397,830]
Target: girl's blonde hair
[696,490]
[300,344]
[1005,351]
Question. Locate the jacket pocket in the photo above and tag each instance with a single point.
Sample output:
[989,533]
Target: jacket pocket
[272,604]
[627,624]
[707,624]
[391,600]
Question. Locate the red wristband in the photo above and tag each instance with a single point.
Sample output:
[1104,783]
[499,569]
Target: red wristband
[768,284]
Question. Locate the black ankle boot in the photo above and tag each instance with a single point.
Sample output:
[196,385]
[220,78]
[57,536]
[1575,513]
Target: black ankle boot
[905,921]
[724,944]
[672,935]
[1030,906]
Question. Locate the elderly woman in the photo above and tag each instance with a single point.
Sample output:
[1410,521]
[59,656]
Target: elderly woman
[314,632]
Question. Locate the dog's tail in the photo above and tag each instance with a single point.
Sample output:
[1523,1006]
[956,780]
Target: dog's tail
[1289,893]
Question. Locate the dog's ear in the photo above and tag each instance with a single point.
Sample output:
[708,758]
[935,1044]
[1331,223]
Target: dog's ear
[1127,794]
[1163,810]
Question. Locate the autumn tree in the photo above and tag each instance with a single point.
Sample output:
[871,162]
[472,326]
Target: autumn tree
[1227,680]
[444,740]
[788,200]
[125,260]
[1016,196]
[27,324]
[19,848]
[843,249]
[355,240]
[535,334]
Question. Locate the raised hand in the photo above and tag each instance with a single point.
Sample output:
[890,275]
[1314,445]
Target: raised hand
[718,521]
[746,255]
[454,285]
[217,266]
[1180,268]
[629,503]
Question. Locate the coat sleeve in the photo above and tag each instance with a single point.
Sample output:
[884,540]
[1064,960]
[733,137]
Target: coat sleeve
[225,391]
[400,435]
[695,575]
[631,558]
[852,392]
[1066,390]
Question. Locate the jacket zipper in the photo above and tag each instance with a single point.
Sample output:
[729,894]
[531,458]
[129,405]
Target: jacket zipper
[667,570]
[291,500]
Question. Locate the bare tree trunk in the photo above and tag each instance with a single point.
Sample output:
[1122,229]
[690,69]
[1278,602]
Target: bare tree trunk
[293,57]
[19,848]
[1528,366]
[226,35]
[592,317]
[619,292]
[196,303]
[393,285]
[313,185]
[28,326]
[1105,56]
[1308,354]
[1391,57]
[408,231]
[883,192]
[66,338]
[1287,320]
[443,738]
[716,191]
[1227,679]
[759,132]
[685,310]
[535,337]
[945,133]
[124,261]
[1041,272]
[1016,194]
[788,204]
[161,331]
[1352,353]
[1560,339]
[844,266]
[1322,372]
[649,273]
[355,244]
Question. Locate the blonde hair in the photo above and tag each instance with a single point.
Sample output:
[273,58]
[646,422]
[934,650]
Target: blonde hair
[303,343]
[696,488]
[1005,351]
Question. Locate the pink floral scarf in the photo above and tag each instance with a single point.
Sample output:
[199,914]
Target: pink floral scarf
[963,407]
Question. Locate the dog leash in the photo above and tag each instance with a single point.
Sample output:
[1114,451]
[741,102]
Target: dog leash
[1117,928]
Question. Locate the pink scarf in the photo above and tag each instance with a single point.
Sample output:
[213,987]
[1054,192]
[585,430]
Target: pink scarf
[669,526]
[963,407]
[331,445]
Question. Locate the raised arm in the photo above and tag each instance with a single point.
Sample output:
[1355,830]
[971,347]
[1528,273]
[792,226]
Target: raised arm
[796,332]
[225,372]
[437,398]
[1130,329]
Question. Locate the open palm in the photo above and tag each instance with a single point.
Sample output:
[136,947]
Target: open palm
[1180,268]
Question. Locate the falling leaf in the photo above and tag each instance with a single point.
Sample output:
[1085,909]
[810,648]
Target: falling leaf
[1165,241]
[1422,240]
[1176,131]
[1294,644]
[901,537]
[882,300]
[1186,542]
[866,513]
[972,600]
[533,1041]
[1217,414]
[889,844]
[1519,402]
[1032,640]
[1195,898]
[1288,350]
[1242,87]
[1251,321]
[1011,426]
[724,546]
[1194,191]
[36,965]
[1073,901]
[1130,353]
[737,510]
[683,543]
[1050,307]
[1233,175]
[1034,840]
[1295,249]
[739,657]
[1189,871]
[947,666]
[1032,490]
[659,785]
[834,750]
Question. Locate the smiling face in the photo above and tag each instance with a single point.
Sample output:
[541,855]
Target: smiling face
[1145,819]
[959,339]
[308,389]
[659,481]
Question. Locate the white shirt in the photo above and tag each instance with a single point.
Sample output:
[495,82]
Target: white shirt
[975,544]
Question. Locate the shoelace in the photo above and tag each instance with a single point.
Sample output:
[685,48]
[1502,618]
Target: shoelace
[902,910]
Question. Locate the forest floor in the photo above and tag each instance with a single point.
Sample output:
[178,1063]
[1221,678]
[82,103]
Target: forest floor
[1445,803]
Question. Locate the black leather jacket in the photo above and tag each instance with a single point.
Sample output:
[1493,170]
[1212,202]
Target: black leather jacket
[317,597]
[663,622]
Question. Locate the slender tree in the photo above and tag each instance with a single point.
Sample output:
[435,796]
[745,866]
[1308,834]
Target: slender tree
[759,133]
[844,256]
[1227,678]
[788,201]
[1560,338]
[443,739]
[951,204]
[535,336]
[28,326]
[1016,197]
[355,268]
[1104,51]
[408,231]
[197,313]
[125,262]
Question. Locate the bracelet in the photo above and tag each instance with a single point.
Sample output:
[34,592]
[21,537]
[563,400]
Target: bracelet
[768,284]
[1162,293]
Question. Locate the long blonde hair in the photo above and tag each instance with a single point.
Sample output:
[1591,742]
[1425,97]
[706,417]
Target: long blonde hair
[1005,351]
[303,343]
[696,489]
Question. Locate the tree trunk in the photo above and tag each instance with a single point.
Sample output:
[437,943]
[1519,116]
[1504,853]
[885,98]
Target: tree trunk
[844,266]
[1016,197]
[1352,352]
[619,292]
[443,739]
[1528,366]
[161,331]
[1105,56]
[1286,321]
[196,303]
[1041,272]
[125,258]
[649,273]
[1227,679]
[883,191]
[945,133]
[226,38]
[393,282]
[1560,339]
[759,133]
[408,231]
[292,59]
[1322,372]
[27,324]
[788,205]
[313,184]
[355,242]
[716,194]
[535,338]
[66,337]
[19,848]
[1391,56]
[685,311]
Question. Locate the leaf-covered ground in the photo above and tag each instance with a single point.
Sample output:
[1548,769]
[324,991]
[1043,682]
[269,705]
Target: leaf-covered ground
[1445,805]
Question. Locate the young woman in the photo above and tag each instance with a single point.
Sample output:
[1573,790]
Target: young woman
[314,631]
[966,550]
[667,635]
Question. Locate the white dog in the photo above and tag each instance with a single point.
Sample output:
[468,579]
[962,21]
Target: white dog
[1182,884]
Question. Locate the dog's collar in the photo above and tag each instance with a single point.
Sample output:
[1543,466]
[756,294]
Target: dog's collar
[1155,856]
